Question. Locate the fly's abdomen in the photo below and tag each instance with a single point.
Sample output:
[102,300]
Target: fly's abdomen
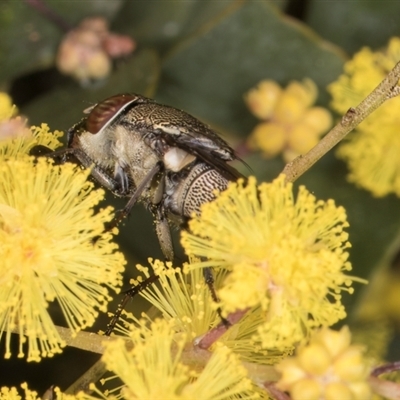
[199,187]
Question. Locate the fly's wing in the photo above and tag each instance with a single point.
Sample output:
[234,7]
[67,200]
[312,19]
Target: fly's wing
[179,129]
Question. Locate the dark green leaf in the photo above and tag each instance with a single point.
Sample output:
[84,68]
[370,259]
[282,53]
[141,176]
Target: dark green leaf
[357,23]
[208,74]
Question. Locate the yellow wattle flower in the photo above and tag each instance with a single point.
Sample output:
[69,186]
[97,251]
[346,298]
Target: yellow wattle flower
[286,255]
[47,253]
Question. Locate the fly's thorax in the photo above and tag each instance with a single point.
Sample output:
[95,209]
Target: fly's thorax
[188,189]
[132,154]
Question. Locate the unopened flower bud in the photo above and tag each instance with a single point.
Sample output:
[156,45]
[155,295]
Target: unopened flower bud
[262,99]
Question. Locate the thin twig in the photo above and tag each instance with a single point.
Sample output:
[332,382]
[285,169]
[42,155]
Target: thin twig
[83,340]
[197,358]
[386,368]
[87,341]
[92,375]
[385,90]
[275,392]
[387,389]
[193,355]
[209,338]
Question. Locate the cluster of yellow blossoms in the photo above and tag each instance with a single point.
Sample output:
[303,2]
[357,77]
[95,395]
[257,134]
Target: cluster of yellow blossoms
[291,126]
[327,368]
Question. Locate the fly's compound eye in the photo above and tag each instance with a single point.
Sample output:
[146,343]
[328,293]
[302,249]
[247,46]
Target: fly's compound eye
[102,114]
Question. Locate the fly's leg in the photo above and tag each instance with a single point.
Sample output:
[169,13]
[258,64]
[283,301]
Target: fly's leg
[122,178]
[101,176]
[161,221]
[80,157]
[164,237]
[135,196]
[164,234]
[129,294]
[209,279]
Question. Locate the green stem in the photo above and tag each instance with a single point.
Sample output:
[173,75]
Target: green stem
[193,356]
[385,90]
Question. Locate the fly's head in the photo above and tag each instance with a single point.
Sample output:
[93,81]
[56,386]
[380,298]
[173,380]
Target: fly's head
[104,139]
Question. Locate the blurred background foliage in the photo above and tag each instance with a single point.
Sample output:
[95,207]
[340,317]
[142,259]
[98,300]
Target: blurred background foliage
[202,56]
